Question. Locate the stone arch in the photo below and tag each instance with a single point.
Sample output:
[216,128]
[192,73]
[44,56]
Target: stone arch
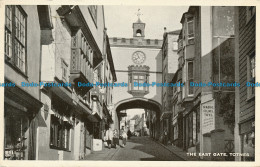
[138,102]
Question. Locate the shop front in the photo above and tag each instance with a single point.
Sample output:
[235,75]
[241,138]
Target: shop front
[20,109]
[247,134]
[191,125]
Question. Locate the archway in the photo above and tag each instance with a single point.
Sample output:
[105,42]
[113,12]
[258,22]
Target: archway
[143,103]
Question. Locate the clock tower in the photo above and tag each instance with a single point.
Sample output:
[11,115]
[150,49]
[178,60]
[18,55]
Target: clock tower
[138,27]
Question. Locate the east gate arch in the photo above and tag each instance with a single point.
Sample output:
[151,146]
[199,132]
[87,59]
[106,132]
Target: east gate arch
[144,103]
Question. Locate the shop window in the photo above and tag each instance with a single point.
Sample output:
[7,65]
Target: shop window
[15,33]
[251,75]
[59,134]
[16,134]
[190,130]
[250,12]
[93,13]
[60,125]
[248,146]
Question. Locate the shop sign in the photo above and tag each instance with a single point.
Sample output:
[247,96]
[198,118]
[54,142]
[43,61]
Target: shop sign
[208,116]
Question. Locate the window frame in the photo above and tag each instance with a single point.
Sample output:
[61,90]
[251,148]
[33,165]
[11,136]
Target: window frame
[250,90]
[135,77]
[193,28]
[21,42]
[189,79]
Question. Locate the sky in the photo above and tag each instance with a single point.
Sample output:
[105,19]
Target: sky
[119,19]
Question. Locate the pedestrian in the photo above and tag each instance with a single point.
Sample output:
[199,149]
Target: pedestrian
[109,137]
[165,137]
[129,133]
[123,136]
[115,138]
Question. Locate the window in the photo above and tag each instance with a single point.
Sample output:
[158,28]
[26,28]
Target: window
[60,125]
[190,78]
[114,39]
[136,82]
[156,41]
[250,12]
[93,12]
[123,40]
[15,33]
[148,41]
[190,29]
[59,134]
[251,75]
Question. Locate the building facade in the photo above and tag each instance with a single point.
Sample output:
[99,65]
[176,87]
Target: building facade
[63,117]
[245,75]
[206,55]
[141,64]
[169,65]
[22,64]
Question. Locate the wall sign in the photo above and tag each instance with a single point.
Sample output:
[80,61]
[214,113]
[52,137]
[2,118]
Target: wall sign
[208,116]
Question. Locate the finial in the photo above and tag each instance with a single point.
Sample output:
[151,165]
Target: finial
[139,14]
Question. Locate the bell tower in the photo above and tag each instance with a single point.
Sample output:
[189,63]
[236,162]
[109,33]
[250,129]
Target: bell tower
[138,27]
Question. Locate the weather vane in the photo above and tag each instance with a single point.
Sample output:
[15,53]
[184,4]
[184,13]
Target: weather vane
[139,13]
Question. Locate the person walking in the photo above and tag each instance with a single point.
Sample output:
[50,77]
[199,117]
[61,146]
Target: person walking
[109,137]
[129,134]
[165,137]
[123,136]
[115,138]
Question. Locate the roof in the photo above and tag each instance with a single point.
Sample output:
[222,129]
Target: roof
[176,32]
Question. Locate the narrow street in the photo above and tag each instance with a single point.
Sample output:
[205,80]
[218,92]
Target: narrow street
[137,149]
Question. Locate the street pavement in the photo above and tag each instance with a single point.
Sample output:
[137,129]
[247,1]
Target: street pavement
[136,149]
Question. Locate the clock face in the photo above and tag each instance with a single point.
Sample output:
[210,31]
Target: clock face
[138,57]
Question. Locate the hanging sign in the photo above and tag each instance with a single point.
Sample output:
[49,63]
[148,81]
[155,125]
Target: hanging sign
[208,116]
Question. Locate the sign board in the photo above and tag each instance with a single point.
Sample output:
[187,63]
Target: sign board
[207,116]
